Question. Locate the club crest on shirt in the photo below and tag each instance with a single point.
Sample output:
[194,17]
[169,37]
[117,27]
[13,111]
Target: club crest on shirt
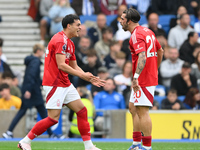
[58,102]
[64,47]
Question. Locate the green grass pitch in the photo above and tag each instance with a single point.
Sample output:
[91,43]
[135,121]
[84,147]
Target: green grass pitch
[103,145]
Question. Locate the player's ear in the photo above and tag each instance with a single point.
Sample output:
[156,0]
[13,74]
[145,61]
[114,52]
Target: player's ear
[68,25]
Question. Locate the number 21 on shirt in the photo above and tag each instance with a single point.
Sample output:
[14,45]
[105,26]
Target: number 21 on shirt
[151,39]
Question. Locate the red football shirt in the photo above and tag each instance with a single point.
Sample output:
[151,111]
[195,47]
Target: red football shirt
[61,44]
[143,39]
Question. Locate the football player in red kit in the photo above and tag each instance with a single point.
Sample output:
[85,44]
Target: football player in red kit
[146,58]
[60,61]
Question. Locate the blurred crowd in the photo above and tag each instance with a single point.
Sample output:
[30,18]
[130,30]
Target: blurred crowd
[103,50]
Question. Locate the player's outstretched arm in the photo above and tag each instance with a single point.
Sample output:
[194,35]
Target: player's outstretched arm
[74,65]
[60,59]
[159,56]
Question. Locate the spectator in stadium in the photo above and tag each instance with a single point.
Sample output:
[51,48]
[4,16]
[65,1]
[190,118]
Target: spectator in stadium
[82,32]
[162,40]
[179,33]
[196,68]
[174,21]
[110,58]
[8,78]
[167,7]
[120,60]
[110,7]
[187,48]
[82,50]
[197,23]
[114,24]
[125,48]
[107,99]
[87,100]
[31,91]
[102,46]
[153,20]
[123,80]
[196,49]
[170,67]
[83,7]
[7,100]
[192,99]
[95,32]
[45,21]
[33,10]
[4,67]
[103,74]
[172,102]
[2,55]
[92,66]
[56,14]
[183,81]
[155,105]
[119,34]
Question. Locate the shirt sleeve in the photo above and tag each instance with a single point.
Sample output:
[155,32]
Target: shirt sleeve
[140,45]
[60,48]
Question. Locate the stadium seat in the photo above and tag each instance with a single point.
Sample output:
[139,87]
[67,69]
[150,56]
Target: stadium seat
[109,18]
[182,97]
[159,99]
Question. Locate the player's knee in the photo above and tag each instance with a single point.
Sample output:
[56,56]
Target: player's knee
[142,111]
[43,22]
[132,111]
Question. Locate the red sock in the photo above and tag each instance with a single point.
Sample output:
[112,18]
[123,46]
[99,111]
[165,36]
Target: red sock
[146,140]
[83,124]
[41,126]
[137,136]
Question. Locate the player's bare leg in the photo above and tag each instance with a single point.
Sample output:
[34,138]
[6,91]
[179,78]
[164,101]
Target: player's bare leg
[83,125]
[145,124]
[39,128]
[43,30]
[137,137]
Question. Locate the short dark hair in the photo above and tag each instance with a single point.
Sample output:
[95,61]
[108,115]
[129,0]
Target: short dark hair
[148,14]
[109,78]
[1,42]
[113,43]
[174,91]
[191,34]
[182,15]
[4,86]
[91,52]
[7,74]
[106,29]
[69,19]
[132,14]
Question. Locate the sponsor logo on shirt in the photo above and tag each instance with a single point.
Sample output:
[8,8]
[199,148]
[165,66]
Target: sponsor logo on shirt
[136,101]
[138,48]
